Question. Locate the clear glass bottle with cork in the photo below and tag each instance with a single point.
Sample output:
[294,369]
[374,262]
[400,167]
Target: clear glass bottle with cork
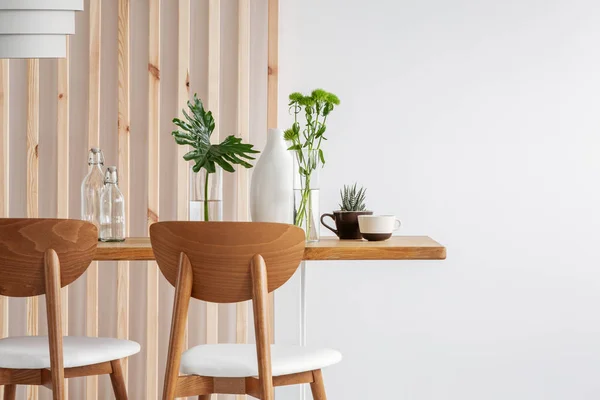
[91,188]
[112,209]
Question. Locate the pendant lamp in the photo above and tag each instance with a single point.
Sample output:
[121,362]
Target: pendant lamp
[36,28]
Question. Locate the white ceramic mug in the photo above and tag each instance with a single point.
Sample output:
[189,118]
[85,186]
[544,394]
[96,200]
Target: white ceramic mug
[378,227]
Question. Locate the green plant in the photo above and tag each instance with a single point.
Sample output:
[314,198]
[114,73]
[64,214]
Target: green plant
[353,199]
[306,142]
[195,131]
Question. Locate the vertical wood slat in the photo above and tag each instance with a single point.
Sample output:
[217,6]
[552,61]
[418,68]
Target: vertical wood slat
[273,63]
[62,155]
[153,196]
[33,130]
[272,99]
[243,94]
[123,124]
[183,95]
[4,176]
[214,84]
[91,318]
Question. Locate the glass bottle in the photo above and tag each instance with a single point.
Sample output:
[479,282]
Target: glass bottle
[112,209]
[91,188]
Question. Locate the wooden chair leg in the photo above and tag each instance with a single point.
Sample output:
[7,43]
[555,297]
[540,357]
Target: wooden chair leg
[318,387]
[10,392]
[118,380]
[183,293]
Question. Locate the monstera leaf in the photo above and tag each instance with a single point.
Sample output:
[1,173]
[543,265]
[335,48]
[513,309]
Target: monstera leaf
[196,131]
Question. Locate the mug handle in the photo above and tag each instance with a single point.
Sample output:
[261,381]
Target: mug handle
[327,226]
[397,225]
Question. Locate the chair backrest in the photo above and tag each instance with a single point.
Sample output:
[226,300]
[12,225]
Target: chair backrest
[24,242]
[220,254]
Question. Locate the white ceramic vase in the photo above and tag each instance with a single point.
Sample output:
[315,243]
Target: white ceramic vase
[271,192]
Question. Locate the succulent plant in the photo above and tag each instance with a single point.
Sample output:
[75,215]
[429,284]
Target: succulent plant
[353,199]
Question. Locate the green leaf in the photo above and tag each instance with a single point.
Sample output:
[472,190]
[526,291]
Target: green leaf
[289,135]
[321,131]
[321,156]
[196,129]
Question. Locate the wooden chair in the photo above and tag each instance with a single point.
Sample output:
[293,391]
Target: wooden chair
[227,262]
[39,256]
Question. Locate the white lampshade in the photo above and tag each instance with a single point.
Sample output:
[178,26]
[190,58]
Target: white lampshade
[37,22]
[73,5]
[36,28]
[33,46]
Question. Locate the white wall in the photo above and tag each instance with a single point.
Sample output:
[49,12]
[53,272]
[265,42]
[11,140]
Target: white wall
[476,122]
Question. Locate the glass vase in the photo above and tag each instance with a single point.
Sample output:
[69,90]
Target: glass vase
[307,170]
[206,197]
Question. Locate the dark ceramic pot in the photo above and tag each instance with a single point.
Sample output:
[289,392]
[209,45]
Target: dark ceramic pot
[346,223]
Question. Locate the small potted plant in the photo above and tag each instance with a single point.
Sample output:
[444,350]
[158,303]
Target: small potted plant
[346,218]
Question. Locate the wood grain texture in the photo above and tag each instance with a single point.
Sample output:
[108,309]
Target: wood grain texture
[4,137]
[273,63]
[243,113]
[220,253]
[214,105]
[214,64]
[317,387]
[62,157]
[87,370]
[10,392]
[117,379]
[272,95]
[124,157]
[23,243]
[62,138]
[4,174]
[396,248]
[152,302]
[183,95]
[33,134]
[30,250]
[183,292]
[191,276]
[91,316]
[53,312]
[260,302]
[243,128]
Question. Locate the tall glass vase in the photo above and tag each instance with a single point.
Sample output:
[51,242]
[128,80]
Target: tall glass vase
[307,169]
[206,199]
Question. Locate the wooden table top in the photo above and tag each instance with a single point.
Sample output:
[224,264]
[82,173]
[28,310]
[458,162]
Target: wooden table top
[396,248]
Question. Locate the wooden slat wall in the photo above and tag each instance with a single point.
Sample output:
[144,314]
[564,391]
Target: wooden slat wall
[243,111]
[72,74]
[153,196]
[33,134]
[4,169]
[183,95]
[123,127]
[214,86]
[272,97]
[62,176]
[93,141]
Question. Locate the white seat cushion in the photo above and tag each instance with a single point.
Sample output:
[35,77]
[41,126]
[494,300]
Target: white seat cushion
[239,360]
[33,352]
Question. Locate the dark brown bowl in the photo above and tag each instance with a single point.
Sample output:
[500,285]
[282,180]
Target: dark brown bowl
[346,223]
